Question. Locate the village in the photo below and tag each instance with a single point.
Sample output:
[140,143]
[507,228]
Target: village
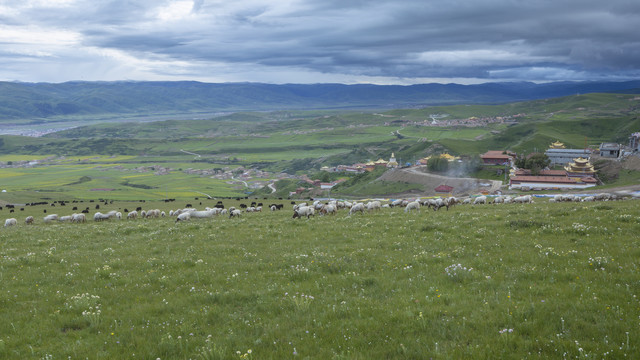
[569,169]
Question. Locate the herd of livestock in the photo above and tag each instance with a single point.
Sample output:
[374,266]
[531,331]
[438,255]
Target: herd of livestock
[310,209]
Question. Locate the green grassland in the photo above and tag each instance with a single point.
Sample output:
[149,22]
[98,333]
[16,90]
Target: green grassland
[113,181]
[472,282]
[298,142]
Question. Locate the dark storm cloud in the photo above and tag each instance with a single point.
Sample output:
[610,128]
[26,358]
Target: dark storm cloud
[410,40]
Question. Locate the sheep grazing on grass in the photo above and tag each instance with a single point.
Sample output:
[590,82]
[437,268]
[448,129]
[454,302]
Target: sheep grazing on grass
[397,202]
[523,199]
[298,206]
[132,215]
[153,213]
[100,216]
[436,204]
[356,207]
[200,214]
[64,218]
[480,200]
[29,220]
[304,211]
[414,205]
[50,218]
[186,216]
[10,222]
[234,213]
[78,218]
[328,209]
[373,205]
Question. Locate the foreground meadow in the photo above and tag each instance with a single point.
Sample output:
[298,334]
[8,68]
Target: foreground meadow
[513,281]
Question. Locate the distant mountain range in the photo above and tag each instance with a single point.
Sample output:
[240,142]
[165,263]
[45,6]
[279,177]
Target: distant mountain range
[42,101]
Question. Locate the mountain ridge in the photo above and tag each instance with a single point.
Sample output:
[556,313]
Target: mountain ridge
[48,101]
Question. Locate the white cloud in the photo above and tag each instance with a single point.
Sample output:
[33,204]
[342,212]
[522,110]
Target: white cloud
[175,10]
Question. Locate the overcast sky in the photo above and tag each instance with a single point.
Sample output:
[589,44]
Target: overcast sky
[319,41]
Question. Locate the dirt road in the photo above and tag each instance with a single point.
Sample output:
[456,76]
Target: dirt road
[417,175]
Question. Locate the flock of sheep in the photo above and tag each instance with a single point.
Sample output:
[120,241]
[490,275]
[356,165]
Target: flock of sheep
[308,210]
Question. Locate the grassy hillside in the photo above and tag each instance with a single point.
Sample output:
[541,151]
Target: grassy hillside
[473,282]
[295,142]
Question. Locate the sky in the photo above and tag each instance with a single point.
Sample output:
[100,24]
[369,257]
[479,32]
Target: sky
[319,41]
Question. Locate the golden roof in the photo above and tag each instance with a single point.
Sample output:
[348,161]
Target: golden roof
[580,165]
[556,145]
[449,157]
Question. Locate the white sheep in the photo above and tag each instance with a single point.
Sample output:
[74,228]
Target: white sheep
[132,215]
[356,207]
[234,213]
[523,199]
[414,205]
[200,214]
[480,200]
[64,218]
[296,207]
[304,211]
[10,222]
[601,197]
[185,216]
[100,216]
[153,213]
[373,205]
[78,218]
[397,202]
[328,209]
[50,218]
[29,220]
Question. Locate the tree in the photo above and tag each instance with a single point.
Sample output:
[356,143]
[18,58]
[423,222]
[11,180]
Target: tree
[438,164]
[535,162]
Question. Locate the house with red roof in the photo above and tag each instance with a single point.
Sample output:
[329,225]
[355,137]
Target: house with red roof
[444,189]
[497,157]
